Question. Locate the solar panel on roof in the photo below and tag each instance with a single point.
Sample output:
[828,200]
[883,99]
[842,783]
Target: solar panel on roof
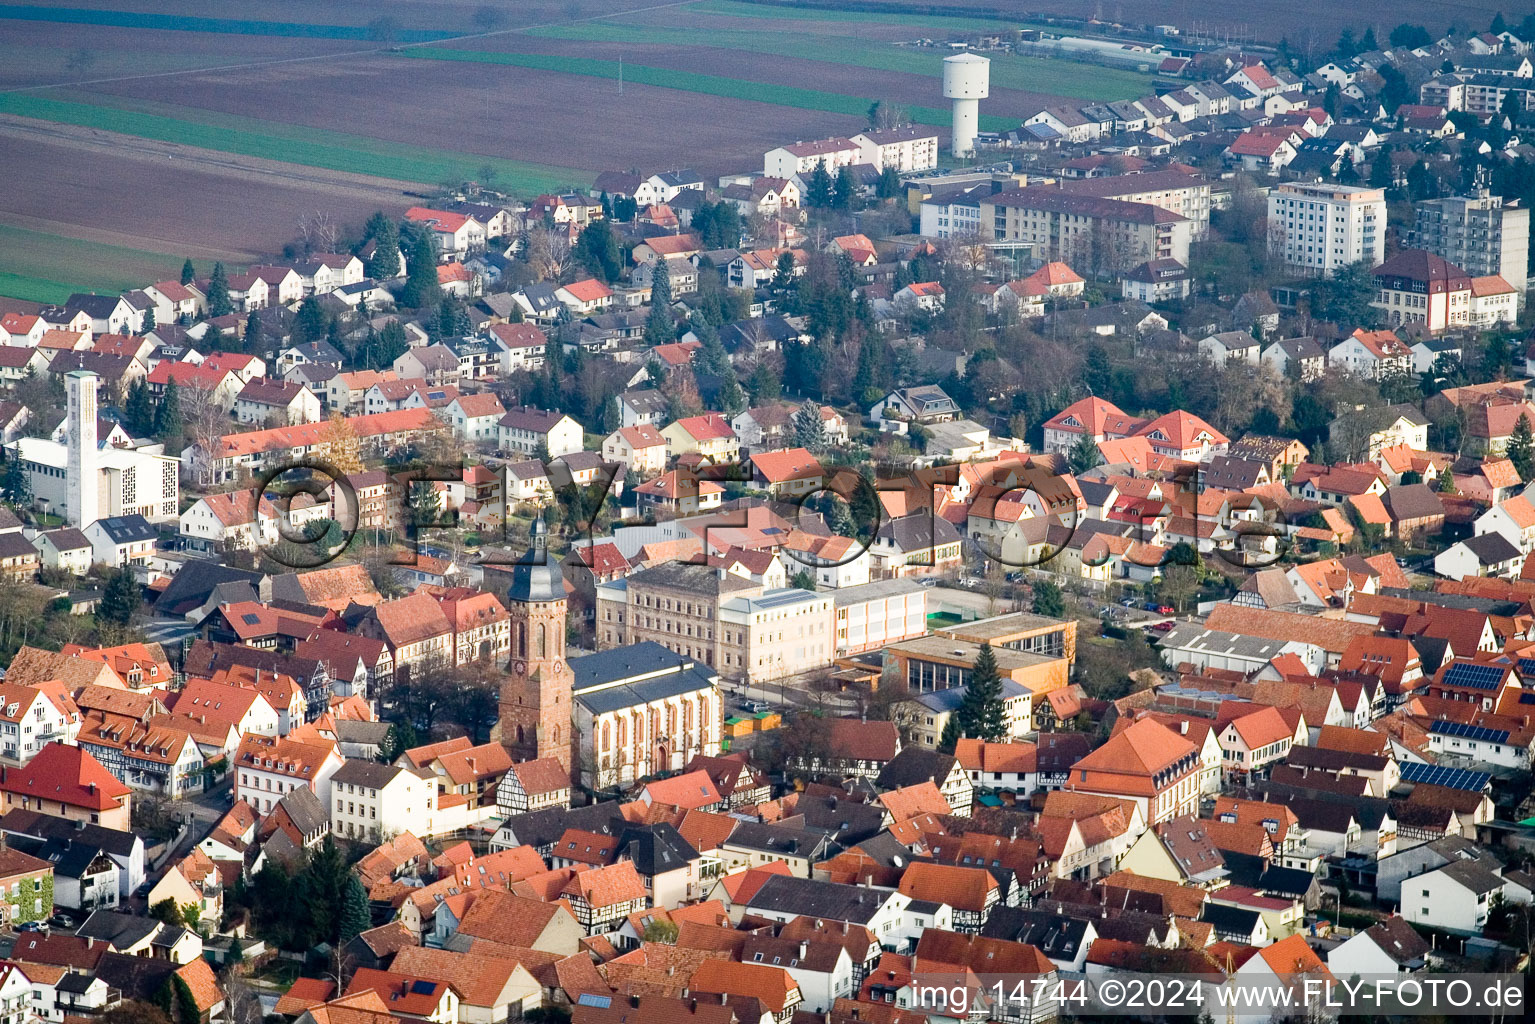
[1473,675]
[1450,778]
[590,999]
[422,988]
[251,618]
[1473,732]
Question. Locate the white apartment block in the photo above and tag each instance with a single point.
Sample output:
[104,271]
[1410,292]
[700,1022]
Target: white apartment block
[1318,228]
[802,157]
[907,148]
[1478,234]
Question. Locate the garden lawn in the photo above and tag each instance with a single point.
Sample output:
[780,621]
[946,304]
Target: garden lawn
[1030,74]
[41,267]
[289,143]
[691,81]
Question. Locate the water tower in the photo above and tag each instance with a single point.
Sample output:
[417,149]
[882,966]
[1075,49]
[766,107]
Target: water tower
[966,81]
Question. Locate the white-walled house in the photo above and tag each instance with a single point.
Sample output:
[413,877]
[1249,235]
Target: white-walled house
[374,801]
[1455,898]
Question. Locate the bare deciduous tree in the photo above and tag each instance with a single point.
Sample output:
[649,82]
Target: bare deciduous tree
[548,253]
[205,418]
[319,231]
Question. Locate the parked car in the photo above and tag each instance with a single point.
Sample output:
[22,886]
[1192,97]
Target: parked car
[756,707]
[1150,606]
[1128,602]
[1165,609]
[1161,627]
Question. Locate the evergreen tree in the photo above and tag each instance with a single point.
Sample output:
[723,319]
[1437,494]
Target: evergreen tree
[1410,37]
[889,186]
[783,273]
[659,328]
[168,418]
[981,712]
[818,192]
[1380,170]
[1346,47]
[424,503]
[400,738]
[18,485]
[421,287]
[844,190]
[355,916]
[218,292]
[311,321]
[138,410]
[809,428]
[121,599]
[598,251]
[766,385]
[1048,600]
[1521,448]
[254,342]
[1499,26]
[1083,455]
[149,321]
[186,1004]
[1367,42]
[385,261]
[236,955]
[188,273]
[392,344]
[952,734]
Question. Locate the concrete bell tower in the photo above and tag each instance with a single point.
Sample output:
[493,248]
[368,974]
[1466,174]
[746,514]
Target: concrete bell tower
[82,480]
[536,702]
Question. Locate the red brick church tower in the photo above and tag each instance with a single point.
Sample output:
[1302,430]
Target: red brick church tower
[535,719]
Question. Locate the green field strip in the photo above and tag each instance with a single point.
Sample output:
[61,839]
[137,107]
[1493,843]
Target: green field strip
[1030,74]
[42,267]
[692,81]
[219,26]
[294,144]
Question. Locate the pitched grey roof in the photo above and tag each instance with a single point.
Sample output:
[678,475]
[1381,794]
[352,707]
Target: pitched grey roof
[127,529]
[918,532]
[913,765]
[121,930]
[304,808]
[854,904]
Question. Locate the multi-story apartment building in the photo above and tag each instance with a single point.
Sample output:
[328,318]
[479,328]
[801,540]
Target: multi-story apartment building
[1184,194]
[1318,228]
[1098,236]
[1477,233]
[740,628]
[906,148]
[374,801]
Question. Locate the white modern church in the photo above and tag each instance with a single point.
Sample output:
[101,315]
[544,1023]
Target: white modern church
[85,480]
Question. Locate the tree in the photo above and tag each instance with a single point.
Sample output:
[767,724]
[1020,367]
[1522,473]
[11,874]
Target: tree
[783,273]
[1345,297]
[400,738]
[818,191]
[766,384]
[149,321]
[1346,47]
[1499,26]
[120,600]
[385,261]
[659,328]
[236,954]
[809,428]
[188,273]
[167,911]
[1410,37]
[1368,42]
[17,485]
[312,322]
[1083,455]
[661,931]
[981,712]
[844,189]
[1521,448]
[1380,171]
[138,410]
[889,186]
[421,287]
[219,303]
[1048,600]
[952,734]
[168,418]
[1179,584]
[254,341]
[598,251]
[355,916]
[341,447]
[803,580]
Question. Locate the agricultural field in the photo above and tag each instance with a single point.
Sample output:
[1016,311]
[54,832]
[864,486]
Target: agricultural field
[325,109]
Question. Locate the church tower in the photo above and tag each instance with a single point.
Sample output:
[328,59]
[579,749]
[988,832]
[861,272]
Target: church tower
[535,718]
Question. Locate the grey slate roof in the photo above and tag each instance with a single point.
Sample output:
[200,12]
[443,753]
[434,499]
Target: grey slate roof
[784,894]
[128,529]
[913,765]
[121,930]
